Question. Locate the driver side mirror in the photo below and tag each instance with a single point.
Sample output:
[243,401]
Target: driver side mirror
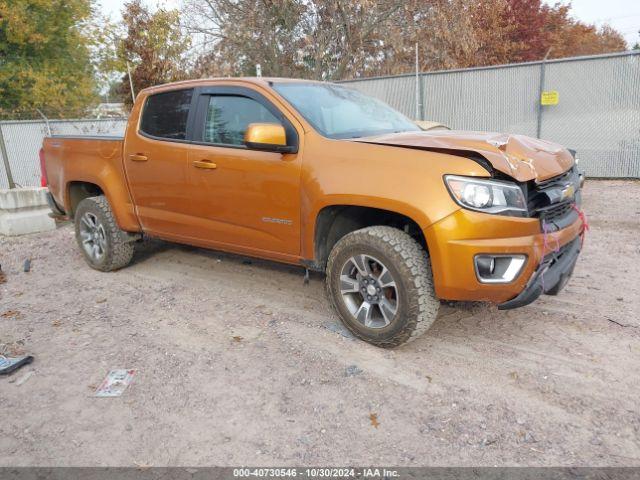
[268,137]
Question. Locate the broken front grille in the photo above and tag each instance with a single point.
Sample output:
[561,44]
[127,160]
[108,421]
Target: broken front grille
[552,200]
[555,212]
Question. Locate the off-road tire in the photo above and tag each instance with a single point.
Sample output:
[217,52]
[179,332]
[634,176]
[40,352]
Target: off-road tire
[119,248]
[408,262]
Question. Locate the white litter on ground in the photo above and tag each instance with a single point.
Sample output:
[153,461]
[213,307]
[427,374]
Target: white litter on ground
[24,378]
[115,383]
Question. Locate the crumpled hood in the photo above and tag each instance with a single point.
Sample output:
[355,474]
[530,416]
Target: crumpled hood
[521,157]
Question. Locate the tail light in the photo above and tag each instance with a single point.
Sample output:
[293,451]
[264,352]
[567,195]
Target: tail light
[43,170]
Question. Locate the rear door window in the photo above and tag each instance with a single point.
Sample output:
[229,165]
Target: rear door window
[165,114]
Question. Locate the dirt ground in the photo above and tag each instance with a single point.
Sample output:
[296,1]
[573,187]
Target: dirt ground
[238,363]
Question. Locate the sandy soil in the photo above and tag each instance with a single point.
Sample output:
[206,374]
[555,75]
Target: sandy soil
[554,383]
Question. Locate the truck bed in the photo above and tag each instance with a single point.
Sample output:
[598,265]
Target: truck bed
[88,162]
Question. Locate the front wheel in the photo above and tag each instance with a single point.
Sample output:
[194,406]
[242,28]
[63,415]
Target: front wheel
[379,281]
[104,245]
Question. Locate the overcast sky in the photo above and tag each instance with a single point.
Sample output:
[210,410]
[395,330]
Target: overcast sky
[623,15]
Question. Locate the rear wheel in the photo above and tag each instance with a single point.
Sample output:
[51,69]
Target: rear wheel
[379,281]
[104,245]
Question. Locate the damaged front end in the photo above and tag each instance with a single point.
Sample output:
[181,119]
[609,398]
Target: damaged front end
[519,231]
[556,201]
[546,172]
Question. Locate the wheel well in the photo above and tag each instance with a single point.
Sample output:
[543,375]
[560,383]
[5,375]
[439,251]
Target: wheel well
[336,221]
[78,191]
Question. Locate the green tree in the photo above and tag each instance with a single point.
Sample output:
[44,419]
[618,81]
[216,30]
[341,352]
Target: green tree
[45,58]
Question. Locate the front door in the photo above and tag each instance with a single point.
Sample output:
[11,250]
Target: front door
[241,197]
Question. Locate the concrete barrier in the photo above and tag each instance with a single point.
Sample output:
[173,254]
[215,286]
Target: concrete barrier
[24,210]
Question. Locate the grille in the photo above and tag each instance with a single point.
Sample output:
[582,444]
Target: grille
[555,212]
[545,200]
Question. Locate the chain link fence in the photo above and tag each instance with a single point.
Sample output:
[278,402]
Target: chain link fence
[20,143]
[598,112]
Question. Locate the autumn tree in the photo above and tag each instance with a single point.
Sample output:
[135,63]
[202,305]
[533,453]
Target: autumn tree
[530,34]
[316,38]
[530,29]
[244,33]
[445,32]
[337,39]
[45,58]
[426,23]
[569,38]
[151,43]
[344,39]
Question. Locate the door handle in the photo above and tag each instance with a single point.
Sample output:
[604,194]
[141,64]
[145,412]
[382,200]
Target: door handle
[204,164]
[137,157]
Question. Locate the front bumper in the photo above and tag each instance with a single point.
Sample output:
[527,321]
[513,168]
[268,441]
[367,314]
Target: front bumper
[455,241]
[550,277]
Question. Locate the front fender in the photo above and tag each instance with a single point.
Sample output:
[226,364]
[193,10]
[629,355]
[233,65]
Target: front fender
[400,180]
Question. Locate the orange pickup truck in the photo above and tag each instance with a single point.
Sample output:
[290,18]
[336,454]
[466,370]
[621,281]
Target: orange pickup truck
[322,176]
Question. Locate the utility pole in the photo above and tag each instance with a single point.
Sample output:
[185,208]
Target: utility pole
[133,94]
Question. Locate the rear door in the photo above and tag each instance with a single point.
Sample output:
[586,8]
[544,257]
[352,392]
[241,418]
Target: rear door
[242,197]
[156,155]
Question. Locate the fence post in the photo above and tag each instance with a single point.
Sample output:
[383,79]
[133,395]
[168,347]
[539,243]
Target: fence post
[5,158]
[422,98]
[417,86]
[543,67]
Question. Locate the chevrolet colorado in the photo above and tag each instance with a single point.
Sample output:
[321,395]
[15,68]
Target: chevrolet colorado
[322,176]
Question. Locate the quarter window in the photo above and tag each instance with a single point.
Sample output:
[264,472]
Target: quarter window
[165,114]
[228,117]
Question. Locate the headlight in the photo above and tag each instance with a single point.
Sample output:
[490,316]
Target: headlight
[489,196]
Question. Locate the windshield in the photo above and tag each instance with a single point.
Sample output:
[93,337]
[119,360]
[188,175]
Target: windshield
[338,112]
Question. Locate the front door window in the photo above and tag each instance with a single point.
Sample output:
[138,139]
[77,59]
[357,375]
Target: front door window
[228,117]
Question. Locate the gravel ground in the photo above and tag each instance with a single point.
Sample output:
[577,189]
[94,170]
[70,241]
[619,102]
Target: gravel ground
[238,363]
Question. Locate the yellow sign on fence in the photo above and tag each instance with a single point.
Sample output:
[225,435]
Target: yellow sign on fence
[551,97]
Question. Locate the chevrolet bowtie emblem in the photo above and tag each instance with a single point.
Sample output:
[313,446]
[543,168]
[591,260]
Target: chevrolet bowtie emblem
[568,192]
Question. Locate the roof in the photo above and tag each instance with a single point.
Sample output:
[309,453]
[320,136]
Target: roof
[263,81]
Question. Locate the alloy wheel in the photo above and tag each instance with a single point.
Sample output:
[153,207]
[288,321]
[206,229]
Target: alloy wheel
[94,238]
[369,291]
